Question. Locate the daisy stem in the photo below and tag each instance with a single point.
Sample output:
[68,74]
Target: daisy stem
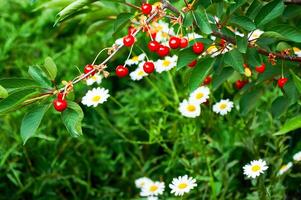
[212,185]
[173,87]
[262,190]
[158,90]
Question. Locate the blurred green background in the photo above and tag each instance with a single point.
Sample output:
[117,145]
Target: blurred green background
[139,132]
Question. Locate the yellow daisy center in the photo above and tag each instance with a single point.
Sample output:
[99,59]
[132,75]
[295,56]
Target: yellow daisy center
[135,58]
[296,49]
[199,95]
[96,98]
[223,106]
[211,49]
[283,167]
[153,188]
[255,168]
[248,72]
[140,73]
[94,78]
[166,63]
[191,108]
[182,185]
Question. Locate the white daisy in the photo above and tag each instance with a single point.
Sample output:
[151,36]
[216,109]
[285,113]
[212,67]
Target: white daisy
[153,188]
[192,36]
[189,109]
[297,156]
[95,96]
[255,168]
[140,182]
[162,30]
[152,198]
[200,95]
[139,73]
[297,51]
[167,64]
[285,168]
[182,184]
[255,34]
[97,78]
[135,60]
[119,41]
[223,107]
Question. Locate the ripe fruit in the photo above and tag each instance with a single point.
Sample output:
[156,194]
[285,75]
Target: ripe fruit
[192,64]
[153,46]
[174,42]
[88,68]
[131,30]
[183,42]
[261,68]
[163,51]
[60,104]
[222,43]
[121,71]
[240,84]
[282,81]
[149,67]
[207,80]
[146,8]
[198,47]
[60,95]
[128,40]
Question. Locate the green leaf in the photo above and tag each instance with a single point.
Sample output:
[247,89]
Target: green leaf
[11,84]
[220,78]
[50,68]
[281,46]
[269,12]
[242,44]
[32,121]
[39,76]
[291,91]
[274,35]
[185,57]
[254,9]
[249,101]
[297,81]
[200,72]
[290,125]
[279,106]
[3,93]
[243,22]
[234,59]
[121,21]
[188,20]
[253,57]
[14,99]
[236,5]
[71,9]
[72,118]
[202,21]
[288,32]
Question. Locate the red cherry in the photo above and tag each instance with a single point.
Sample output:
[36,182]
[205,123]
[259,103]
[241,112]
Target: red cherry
[282,81]
[128,40]
[153,46]
[60,95]
[163,51]
[198,47]
[131,30]
[60,104]
[154,35]
[149,67]
[88,68]
[121,71]
[174,42]
[183,42]
[240,84]
[222,43]
[146,8]
[261,68]
[192,64]
[207,80]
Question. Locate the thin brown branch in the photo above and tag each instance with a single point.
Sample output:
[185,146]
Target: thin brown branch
[170,7]
[132,5]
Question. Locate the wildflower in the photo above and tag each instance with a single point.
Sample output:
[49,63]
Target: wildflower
[139,73]
[152,188]
[135,60]
[255,168]
[200,95]
[297,51]
[285,168]
[97,78]
[140,182]
[167,64]
[297,156]
[192,36]
[190,109]
[182,185]
[255,35]
[95,96]
[223,107]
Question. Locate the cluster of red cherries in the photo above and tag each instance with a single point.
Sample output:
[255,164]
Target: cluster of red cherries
[239,84]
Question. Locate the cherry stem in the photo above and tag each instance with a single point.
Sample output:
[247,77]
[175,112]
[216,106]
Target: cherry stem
[128,55]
